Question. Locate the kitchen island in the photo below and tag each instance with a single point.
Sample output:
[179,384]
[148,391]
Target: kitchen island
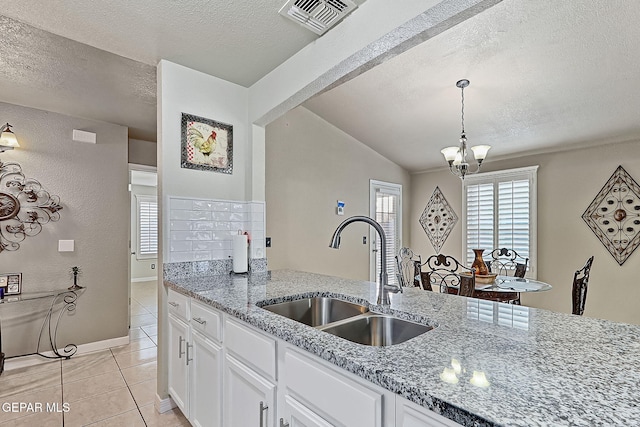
[541,367]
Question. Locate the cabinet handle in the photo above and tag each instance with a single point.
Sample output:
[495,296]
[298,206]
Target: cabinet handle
[173,304]
[263,408]
[180,352]
[283,423]
[200,320]
[188,347]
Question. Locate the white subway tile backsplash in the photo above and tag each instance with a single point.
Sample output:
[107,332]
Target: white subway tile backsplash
[180,225]
[181,256]
[202,255]
[203,205]
[221,206]
[202,225]
[181,246]
[202,230]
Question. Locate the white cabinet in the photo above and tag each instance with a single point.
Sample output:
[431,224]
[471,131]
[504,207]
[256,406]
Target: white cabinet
[409,414]
[195,361]
[249,398]
[298,415]
[178,368]
[206,382]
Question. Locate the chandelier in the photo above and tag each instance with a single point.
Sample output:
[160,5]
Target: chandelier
[457,156]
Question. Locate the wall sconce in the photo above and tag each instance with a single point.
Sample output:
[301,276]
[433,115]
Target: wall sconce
[8,140]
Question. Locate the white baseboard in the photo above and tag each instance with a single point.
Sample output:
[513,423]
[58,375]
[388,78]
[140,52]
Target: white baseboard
[34,359]
[164,405]
[144,279]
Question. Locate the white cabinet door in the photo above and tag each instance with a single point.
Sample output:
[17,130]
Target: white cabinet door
[298,415]
[249,399]
[409,414]
[178,369]
[206,382]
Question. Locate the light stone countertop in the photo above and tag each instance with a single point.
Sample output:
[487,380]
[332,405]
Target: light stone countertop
[544,368]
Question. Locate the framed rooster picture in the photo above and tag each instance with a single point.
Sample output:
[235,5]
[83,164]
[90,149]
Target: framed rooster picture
[206,144]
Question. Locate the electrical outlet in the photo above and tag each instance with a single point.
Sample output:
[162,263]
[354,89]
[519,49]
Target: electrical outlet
[153,266]
[267,242]
[364,240]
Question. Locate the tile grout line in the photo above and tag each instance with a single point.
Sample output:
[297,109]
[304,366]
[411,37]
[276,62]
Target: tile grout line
[129,389]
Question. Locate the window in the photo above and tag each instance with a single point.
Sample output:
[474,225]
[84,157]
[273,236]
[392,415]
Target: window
[499,211]
[386,209]
[147,227]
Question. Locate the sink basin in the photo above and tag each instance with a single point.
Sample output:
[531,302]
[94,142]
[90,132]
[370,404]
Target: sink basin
[317,311]
[377,330]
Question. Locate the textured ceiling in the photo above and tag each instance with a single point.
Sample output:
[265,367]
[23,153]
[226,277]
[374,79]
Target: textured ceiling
[545,75]
[239,41]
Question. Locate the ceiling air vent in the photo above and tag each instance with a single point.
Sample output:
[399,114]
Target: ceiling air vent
[317,15]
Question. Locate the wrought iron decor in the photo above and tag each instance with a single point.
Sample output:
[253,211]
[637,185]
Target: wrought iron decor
[24,207]
[438,219]
[206,144]
[614,215]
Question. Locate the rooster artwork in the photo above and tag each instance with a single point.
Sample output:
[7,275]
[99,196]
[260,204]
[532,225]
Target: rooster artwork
[206,144]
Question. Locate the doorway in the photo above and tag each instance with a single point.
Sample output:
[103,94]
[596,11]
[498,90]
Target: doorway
[385,200]
[143,245]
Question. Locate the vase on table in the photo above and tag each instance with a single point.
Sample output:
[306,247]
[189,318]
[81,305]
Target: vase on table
[478,263]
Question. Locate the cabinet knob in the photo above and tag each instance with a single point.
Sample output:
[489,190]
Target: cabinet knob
[173,304]
[188,347]
[180,352]
[283,423]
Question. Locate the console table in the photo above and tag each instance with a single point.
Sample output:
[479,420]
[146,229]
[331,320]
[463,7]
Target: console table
[68,299]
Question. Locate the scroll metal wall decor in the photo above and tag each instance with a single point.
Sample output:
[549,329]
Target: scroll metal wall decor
[438,219]
[614,215]
[24,207]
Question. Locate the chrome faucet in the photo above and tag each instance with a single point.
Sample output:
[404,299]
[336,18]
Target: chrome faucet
[383,285]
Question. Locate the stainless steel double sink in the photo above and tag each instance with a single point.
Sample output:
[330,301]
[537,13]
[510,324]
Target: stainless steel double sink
[353,322]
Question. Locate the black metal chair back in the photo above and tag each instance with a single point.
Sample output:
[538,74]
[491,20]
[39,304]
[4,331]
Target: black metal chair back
[579,290]
[446,272]
[507,262]
[408,268]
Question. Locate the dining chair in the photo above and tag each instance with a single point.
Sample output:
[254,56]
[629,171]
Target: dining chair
[507,262]
[579,290]
[408,268]
[446,272]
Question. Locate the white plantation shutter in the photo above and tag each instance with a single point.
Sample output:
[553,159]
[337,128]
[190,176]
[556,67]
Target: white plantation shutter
[147,227]
[513,216]
[480,218]
[500,212]
[387,212]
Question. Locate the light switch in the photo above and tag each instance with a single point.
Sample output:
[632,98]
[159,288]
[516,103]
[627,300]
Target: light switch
[66,245]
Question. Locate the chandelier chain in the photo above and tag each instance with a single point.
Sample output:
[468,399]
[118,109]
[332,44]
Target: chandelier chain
[462,115]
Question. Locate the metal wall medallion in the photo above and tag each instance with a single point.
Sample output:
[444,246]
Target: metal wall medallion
[24,206]
[438,219]
[614,215]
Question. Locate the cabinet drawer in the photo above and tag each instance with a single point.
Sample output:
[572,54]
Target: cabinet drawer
[205,320]
[332,395]
[252,347]
[178,304]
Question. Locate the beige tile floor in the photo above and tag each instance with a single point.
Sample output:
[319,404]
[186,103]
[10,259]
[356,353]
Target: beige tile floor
[114,387]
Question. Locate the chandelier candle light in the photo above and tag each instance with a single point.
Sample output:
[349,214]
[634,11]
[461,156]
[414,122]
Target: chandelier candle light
[457,156]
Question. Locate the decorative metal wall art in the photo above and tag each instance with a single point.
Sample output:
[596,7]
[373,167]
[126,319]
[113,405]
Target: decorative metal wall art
[614,215]
[206,144]
[438,219]
[24,207]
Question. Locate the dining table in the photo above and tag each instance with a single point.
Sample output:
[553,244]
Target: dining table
[505,288]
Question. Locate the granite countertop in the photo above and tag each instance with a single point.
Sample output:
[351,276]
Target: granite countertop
[543,368]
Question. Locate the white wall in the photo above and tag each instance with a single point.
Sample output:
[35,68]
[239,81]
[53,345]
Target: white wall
[567,183]
[183,90]
[310,165]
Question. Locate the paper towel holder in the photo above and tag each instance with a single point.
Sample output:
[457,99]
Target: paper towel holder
[240,259]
